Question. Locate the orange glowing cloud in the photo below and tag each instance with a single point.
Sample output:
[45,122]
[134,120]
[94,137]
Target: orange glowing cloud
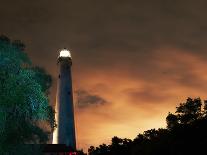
[135,103]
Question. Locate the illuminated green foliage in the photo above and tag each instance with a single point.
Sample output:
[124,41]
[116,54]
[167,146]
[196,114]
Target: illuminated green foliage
[23,98]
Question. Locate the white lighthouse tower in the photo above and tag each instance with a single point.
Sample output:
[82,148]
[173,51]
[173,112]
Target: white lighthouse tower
[65,131]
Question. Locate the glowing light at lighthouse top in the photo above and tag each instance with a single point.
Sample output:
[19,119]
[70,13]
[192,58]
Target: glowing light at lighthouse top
[65,53]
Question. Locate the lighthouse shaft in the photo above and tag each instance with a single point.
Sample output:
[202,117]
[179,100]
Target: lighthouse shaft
[64,107]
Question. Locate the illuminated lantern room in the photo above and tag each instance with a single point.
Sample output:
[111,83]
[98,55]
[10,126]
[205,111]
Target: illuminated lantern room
[65,53]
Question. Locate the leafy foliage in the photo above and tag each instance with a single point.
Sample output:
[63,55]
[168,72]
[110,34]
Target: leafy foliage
[185,134]
[23,98]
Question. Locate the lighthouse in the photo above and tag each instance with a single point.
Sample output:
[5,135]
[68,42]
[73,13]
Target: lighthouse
[65,131]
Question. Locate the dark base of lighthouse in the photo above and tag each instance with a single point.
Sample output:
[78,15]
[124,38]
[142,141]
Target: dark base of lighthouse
[58,149]
[52,149]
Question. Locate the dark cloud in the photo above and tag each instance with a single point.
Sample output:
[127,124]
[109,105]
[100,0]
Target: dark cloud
[123,33]
[85,99]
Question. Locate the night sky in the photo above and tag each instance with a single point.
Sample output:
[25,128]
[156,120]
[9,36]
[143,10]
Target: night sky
[133,61]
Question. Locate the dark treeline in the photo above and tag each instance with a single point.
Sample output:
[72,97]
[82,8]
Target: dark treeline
[186,133]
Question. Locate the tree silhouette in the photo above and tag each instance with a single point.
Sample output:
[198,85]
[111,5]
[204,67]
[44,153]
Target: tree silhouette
[185,135]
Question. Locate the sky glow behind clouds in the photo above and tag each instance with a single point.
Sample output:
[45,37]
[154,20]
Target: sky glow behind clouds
[142,57]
